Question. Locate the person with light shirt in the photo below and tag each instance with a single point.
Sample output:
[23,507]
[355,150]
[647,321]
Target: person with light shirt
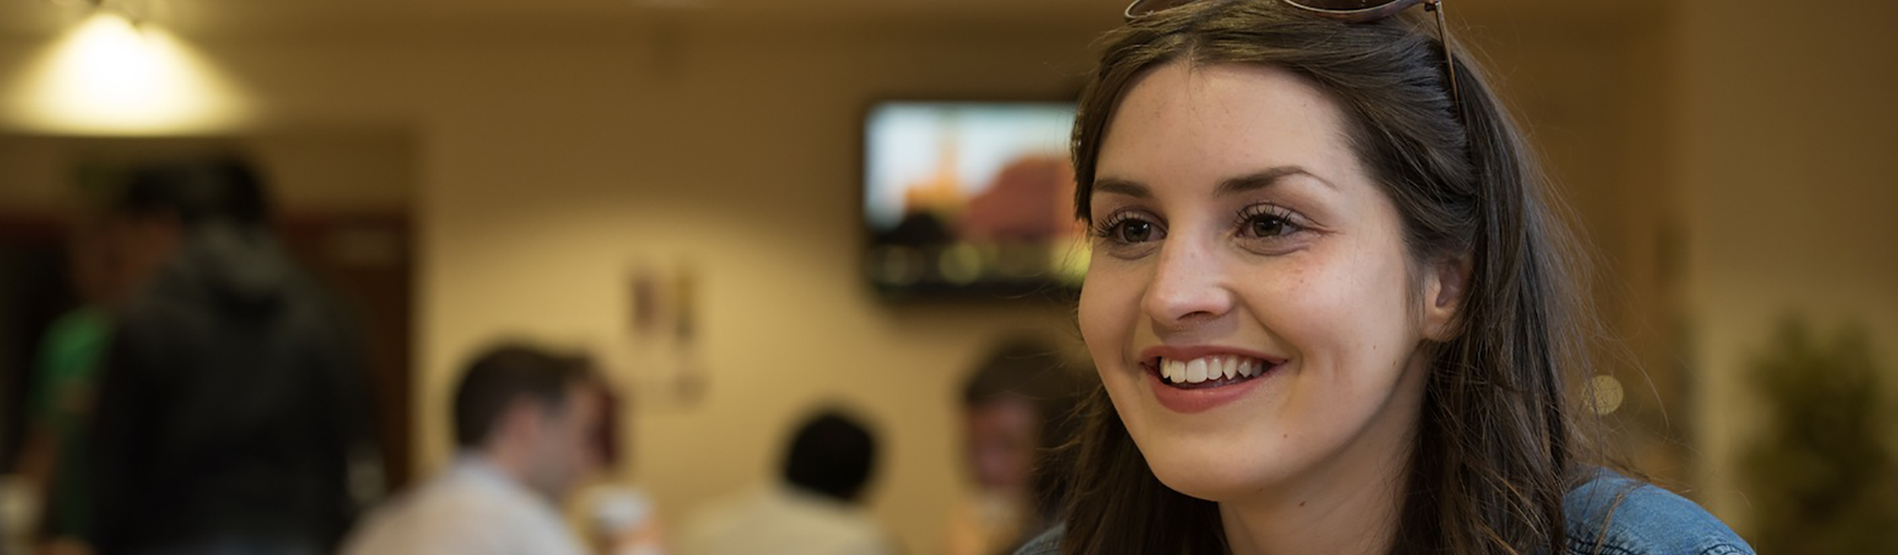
[817,509]
[529,425]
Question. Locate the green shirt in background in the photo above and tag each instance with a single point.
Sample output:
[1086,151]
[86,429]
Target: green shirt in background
[69,363]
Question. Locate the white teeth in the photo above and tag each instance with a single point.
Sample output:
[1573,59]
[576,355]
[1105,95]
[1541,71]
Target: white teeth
[1196,371]
[1174,370]
[1209,369]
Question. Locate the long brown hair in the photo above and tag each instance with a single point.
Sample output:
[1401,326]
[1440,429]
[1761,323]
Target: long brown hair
[1496,444]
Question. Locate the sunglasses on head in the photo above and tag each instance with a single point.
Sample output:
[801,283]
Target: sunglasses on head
[1348,11]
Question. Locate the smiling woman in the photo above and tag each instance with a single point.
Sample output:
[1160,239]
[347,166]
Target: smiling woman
[1331,310]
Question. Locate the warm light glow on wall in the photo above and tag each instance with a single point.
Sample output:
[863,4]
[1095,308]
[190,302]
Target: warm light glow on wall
[108,76]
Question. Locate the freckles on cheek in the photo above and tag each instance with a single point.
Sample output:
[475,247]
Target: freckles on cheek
[1108,308]
[1342,312]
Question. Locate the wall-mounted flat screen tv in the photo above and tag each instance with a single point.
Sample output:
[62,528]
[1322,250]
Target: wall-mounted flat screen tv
[970,198]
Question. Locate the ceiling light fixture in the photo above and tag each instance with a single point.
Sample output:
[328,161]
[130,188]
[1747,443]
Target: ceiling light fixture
[116,74]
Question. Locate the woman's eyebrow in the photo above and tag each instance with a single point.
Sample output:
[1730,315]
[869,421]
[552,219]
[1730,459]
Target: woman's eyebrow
[1119,186]
[1263,179]
[1242,184]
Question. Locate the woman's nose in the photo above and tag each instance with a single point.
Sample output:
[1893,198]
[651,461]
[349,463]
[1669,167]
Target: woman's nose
[1188,287]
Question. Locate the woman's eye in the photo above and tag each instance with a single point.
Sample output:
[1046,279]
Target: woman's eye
[1127,229]
[1267,225]
[1133,231]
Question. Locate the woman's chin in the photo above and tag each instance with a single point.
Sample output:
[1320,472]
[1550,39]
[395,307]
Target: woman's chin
[1206,477]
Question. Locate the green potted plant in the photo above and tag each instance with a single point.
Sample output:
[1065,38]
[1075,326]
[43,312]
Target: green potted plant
[1820,475]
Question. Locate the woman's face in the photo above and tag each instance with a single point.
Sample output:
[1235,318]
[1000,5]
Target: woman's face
[1250,303]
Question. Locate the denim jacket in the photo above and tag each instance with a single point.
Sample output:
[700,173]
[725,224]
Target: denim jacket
[1647,521]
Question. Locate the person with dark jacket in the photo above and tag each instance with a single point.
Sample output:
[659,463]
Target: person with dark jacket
[230,399]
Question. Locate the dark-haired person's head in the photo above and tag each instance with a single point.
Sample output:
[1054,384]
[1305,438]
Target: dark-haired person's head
[833,455]
[1017,366]
[152,209]
[1004,414]
[1327,268]
[535,413]
[195,193]
[1015,413]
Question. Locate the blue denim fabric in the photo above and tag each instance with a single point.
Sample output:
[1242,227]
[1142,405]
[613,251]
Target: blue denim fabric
[1609,515]
[1614,515]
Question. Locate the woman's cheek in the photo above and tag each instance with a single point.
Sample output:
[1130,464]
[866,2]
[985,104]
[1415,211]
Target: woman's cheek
[1109,306]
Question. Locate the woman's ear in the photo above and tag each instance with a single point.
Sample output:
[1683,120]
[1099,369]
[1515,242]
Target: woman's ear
[1445,289]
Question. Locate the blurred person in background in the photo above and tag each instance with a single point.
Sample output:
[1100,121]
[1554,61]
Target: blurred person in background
[111,253]
[816,510]
[1014,410]
[529,425]
[53,460]
[230,400]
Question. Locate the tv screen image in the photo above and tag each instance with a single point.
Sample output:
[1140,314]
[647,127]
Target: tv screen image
[970,197]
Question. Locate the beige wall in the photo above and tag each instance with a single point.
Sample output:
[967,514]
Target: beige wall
[1785,134]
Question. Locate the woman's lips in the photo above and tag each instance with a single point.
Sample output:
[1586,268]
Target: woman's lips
[1196,379]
